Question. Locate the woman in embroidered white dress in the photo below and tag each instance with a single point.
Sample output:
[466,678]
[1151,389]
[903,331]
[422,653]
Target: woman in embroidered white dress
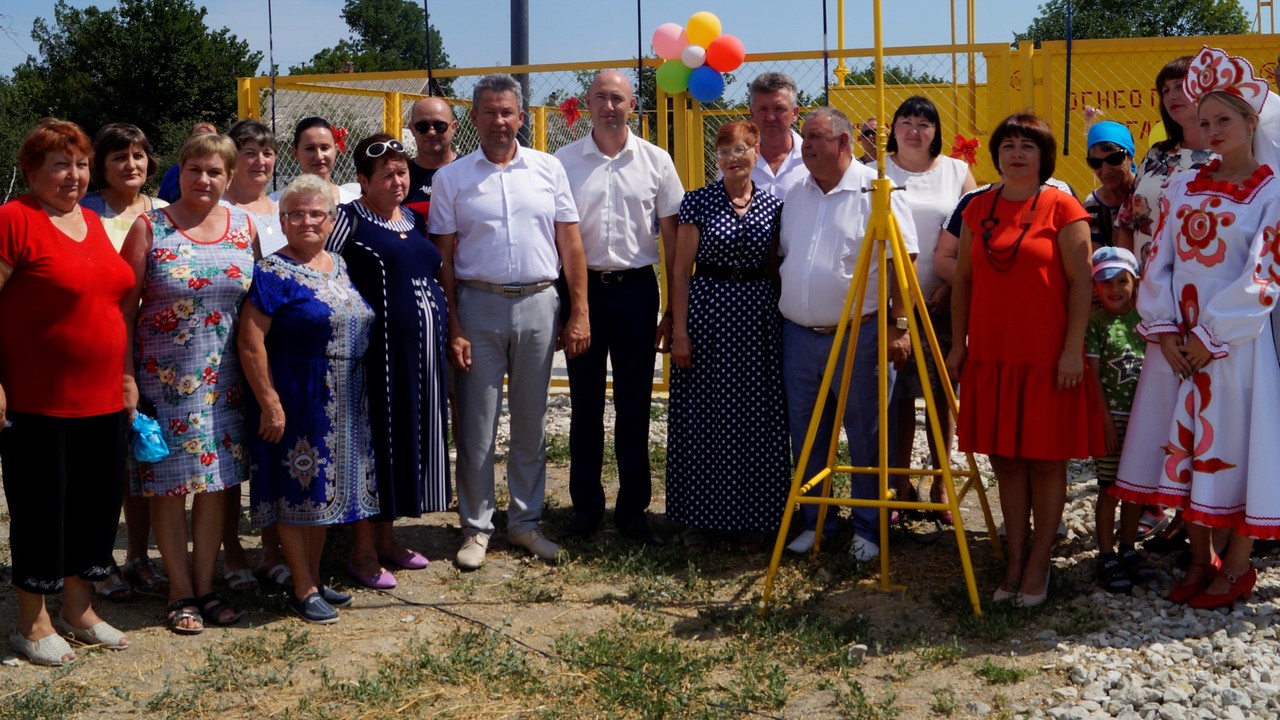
[1201,435]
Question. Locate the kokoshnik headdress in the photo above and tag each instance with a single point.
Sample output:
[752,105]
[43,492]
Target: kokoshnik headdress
[1213,70]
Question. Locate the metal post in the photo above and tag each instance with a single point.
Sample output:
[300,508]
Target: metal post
[520,56]
[426,28]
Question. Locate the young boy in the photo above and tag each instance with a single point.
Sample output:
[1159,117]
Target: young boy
[1114,351]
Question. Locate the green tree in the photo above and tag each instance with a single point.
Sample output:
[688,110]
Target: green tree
[148,62]
[385,35]
[1125,18]
[893,75]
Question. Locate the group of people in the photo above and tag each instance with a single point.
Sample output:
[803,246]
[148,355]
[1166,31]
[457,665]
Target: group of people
[313,342]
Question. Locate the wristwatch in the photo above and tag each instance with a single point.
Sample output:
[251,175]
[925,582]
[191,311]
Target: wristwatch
[901,323]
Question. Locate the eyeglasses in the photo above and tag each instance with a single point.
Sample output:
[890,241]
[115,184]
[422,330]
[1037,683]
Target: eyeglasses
[379,149]
[422,126]
[1115,159]
[868,133]
[298,217]
[733,152]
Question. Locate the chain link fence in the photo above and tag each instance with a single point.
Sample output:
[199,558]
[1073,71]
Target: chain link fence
[973,86]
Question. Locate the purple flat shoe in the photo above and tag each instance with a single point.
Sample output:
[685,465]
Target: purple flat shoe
[413,561]
[381,580]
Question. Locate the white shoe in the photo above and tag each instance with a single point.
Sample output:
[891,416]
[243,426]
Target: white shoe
[802,544]
[864,550]
[537,543]
[471,554]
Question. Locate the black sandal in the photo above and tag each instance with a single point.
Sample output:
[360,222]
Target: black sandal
[1111,574]
[1137,569]
[177,612]
[211,609]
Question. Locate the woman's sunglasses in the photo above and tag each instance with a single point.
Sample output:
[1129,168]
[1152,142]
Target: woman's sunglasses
[379,149]
[1115,159]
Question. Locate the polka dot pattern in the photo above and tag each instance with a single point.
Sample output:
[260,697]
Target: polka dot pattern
[728,449]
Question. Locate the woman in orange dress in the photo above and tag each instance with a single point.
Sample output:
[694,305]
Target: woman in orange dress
[1020,304]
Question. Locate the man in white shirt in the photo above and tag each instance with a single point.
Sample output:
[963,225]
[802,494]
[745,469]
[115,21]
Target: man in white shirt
[774,109]
[511,214]
[823,223]
[626,190]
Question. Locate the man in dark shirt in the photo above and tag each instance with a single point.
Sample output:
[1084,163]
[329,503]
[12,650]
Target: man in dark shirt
[433,126]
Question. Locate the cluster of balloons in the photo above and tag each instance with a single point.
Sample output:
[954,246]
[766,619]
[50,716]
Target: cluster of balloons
[696,56]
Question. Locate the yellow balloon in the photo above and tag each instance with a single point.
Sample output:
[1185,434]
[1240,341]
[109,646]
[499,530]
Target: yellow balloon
[702,28]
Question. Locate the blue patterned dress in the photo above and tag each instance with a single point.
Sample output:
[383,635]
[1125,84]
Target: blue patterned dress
[321,471]
[188,370]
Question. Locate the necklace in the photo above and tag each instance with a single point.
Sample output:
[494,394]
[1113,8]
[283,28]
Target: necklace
[743,206]
[1002,259]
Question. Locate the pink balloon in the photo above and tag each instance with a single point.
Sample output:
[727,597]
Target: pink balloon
[669,40]
[726,53]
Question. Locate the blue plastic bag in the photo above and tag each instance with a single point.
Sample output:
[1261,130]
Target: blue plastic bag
[148,440]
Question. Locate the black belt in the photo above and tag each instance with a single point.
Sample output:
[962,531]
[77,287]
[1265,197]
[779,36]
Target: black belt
[831,329]
[725,272]
[609,277]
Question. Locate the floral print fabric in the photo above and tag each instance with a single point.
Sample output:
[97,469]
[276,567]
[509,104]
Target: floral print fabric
[1206,443]
[186,362]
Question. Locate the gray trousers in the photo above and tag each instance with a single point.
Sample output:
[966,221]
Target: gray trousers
[513,338]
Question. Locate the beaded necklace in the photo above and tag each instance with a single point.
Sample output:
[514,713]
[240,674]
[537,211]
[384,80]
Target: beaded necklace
[1002,260]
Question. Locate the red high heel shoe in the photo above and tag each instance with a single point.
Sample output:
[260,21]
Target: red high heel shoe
[1241,588]
[1184,591]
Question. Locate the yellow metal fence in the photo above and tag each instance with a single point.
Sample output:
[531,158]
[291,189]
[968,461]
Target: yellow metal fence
[973,86]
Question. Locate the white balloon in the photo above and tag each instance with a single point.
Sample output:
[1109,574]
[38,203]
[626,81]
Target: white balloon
[693,56]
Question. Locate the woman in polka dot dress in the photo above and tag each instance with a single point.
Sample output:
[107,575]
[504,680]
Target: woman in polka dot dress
[728,456]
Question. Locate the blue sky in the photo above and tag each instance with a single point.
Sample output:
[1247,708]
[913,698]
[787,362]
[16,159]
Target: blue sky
[567,30]
[574,30]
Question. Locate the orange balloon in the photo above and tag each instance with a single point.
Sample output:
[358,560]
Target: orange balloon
[726,53]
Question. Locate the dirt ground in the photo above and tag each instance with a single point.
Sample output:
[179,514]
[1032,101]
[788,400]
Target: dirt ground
[612,631]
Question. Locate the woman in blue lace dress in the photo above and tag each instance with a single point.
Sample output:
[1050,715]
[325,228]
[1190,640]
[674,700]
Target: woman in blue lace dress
[303,336]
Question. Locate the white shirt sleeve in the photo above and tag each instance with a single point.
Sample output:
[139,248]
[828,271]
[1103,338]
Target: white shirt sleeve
[442,218]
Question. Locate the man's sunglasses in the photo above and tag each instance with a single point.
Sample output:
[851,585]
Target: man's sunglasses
[1115,159]
[868,133]
[422,126]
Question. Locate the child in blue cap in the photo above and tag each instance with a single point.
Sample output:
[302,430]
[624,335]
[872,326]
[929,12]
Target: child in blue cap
[1110,156]
[1114,351]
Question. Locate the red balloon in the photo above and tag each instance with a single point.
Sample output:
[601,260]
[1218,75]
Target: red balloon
[726,53]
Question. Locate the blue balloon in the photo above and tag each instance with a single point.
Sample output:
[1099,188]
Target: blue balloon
[706,84]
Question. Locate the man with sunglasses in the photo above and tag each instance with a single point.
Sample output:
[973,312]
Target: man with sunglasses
[627,191]
[774,109]
[1111,159]
[504,221]
[867,141]
[432,123]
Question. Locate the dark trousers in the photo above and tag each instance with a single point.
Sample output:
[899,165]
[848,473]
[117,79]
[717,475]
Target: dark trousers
[64,481]
[623,322]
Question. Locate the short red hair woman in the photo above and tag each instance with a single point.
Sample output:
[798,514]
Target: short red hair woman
[1020,303]
[63,405]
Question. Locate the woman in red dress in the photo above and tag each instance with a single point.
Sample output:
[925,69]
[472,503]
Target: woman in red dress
[1020,303]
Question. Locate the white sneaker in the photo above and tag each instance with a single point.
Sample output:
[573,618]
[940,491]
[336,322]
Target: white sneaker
[471,554]
[537,543]
[864,550]
[802,544]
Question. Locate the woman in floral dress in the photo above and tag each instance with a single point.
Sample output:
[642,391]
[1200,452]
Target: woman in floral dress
[1201,434]
[193,261]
